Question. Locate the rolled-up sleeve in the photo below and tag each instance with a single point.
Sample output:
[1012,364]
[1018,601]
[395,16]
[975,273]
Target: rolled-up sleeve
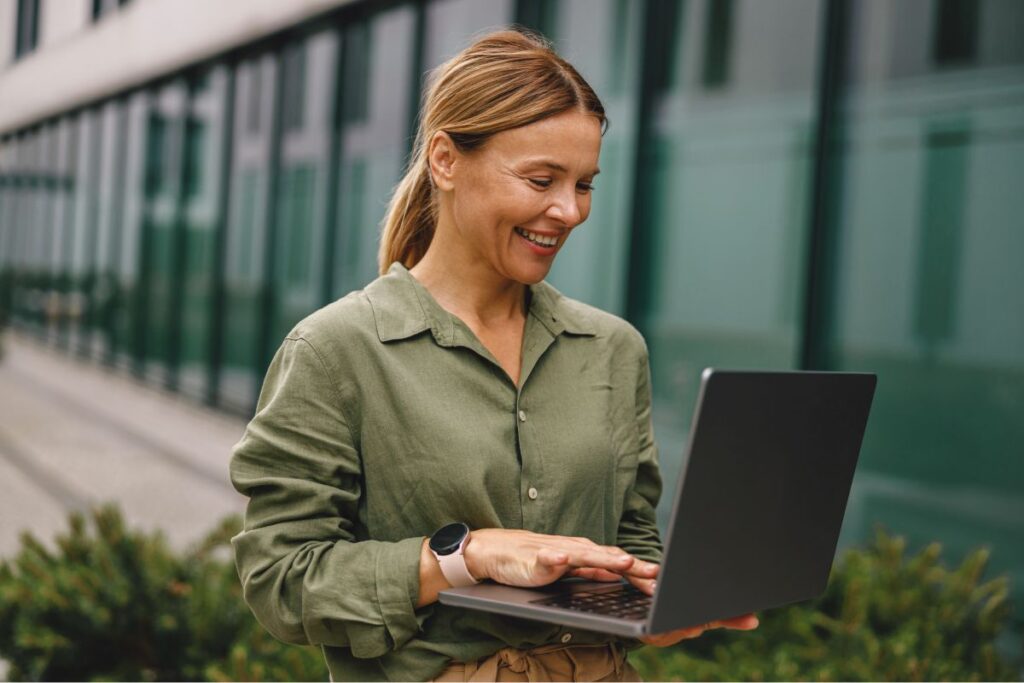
[304,574]
[638,526]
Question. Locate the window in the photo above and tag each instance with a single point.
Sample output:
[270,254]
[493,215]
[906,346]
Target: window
[717,43]
[955,37]
[294,85]
[26,28]
[100,8]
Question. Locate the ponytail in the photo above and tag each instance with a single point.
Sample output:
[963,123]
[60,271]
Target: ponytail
[411,217]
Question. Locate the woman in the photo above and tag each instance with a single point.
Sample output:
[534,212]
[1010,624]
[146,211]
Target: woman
[459,387]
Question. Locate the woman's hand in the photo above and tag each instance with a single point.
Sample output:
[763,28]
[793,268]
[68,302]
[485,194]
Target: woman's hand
[516,557]
[747,622]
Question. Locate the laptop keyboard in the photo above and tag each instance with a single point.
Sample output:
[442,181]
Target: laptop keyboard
[626,602]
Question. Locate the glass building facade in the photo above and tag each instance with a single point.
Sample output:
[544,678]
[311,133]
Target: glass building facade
[815,184]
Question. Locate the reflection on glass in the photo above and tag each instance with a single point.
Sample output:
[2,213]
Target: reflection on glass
[452,24]
[927,214]
[129,314]
[66,281]
[82,244]
[592,265]
[165,146]
[244,265]
[34,228]
[377,84]
[727,170]
[205,128]
[60,218]
[6,229]
[105,297]
[309,69]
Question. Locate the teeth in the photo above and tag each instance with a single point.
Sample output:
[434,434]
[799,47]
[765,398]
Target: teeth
[542,240]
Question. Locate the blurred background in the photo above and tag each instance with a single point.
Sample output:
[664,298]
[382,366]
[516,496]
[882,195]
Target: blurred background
[817,184]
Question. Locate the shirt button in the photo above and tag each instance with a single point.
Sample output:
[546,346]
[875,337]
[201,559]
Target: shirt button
[522,416]
[532,493]
[566,637]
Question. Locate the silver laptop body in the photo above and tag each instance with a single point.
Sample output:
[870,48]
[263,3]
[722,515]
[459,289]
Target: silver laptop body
[757,513]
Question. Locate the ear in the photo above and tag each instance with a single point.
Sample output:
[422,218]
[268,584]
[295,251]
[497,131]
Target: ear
[441,156]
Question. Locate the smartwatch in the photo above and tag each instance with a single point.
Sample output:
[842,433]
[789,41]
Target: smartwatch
[447,544]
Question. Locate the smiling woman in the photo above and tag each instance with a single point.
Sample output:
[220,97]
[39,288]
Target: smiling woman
[462,396]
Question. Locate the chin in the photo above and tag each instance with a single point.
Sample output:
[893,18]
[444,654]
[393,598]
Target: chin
[531,276]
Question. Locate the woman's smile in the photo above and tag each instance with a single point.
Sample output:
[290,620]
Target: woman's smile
[543,245]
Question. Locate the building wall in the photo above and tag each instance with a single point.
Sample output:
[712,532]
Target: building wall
[63,20]
[141,41]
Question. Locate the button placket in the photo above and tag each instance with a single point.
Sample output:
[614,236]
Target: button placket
[530,463]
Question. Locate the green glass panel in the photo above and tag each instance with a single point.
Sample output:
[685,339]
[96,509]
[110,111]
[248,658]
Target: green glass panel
[300,226]
[375,103]
[126,317]
[927,214]
[297,261]
[162,216]
[80,245]
[105,296]
[244,271]
[204,133]
[726,193]
[592,264]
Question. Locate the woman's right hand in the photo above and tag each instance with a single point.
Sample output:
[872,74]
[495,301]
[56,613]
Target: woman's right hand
[516,557]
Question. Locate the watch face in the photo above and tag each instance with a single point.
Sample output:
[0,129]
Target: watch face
[446,540]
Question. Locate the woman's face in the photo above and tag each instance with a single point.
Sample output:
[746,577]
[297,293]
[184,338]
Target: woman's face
[513,202]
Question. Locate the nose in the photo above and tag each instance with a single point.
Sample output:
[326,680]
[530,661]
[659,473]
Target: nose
[565,208]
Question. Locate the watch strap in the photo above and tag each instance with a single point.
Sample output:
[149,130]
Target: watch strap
[454,568]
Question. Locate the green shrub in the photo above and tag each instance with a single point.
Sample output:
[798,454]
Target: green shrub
[119,605]
[112,604]
[882,617]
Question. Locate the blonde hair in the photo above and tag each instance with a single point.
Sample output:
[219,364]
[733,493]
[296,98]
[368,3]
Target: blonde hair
[504,80]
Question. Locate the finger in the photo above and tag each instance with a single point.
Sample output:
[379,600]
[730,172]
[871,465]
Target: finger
[673,637]
[643,569]
[645,586]
[596,574]
[601,560]
[746,622]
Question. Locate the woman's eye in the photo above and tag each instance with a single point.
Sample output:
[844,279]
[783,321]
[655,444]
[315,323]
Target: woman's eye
[541,182]
[585,187]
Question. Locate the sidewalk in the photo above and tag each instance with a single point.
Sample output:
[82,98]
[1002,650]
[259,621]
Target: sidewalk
[73,434]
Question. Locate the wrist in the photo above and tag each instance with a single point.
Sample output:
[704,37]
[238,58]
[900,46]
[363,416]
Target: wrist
[472,552]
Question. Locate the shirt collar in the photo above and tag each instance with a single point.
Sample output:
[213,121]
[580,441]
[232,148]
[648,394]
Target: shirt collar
[402,308]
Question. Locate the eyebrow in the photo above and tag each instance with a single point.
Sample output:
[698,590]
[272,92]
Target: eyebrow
[556,166]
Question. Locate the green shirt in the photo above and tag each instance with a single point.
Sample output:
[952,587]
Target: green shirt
[382,418]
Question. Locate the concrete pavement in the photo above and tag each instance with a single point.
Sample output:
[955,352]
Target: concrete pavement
[73,434]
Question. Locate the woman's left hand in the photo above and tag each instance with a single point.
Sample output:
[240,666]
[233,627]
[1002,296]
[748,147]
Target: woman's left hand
[747,622]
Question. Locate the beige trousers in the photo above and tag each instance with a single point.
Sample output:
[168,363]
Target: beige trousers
[603,662]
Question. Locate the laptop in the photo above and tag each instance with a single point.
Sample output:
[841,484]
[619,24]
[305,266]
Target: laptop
[756,517]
